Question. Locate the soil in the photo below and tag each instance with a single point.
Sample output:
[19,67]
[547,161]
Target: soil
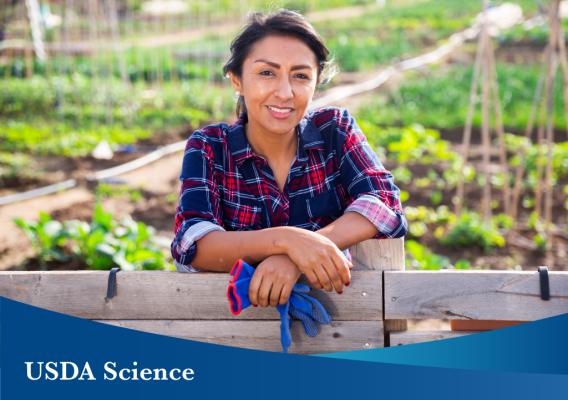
[155,208]
[58,169]
[520,251]
[520,53]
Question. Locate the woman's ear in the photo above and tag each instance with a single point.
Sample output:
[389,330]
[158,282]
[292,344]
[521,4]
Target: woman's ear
[235,81]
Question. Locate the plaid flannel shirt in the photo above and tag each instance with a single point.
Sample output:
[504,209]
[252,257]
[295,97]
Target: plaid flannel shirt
[227,187]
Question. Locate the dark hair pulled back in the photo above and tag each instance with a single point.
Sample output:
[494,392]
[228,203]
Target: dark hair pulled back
[282,22]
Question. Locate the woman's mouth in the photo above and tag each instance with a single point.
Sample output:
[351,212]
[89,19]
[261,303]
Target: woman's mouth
[280,112]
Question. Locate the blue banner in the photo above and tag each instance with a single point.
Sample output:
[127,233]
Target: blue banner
[45,354]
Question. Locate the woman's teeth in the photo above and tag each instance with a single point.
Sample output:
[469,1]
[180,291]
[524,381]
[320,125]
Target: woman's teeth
[280,110]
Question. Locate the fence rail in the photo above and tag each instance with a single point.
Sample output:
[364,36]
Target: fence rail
[195,306]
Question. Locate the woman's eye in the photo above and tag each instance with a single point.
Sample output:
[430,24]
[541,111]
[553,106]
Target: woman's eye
[303,76]
[266,73]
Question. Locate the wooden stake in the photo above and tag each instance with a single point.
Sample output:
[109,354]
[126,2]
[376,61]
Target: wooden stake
[468,124]
[499,129]
[485,139]
[552,64]
[520,169]
[564,65]
[486,68]
[548,200]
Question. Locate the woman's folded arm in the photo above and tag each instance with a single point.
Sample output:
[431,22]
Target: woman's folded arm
[218,250]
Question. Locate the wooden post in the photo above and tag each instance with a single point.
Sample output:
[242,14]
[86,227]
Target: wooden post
[383,255]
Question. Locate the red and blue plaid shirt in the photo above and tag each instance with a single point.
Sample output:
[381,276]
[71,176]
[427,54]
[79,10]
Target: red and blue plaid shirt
[225,186]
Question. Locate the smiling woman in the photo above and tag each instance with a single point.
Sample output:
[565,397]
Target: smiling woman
[284,189]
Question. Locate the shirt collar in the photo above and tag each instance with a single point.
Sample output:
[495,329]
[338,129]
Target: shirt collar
[310,139]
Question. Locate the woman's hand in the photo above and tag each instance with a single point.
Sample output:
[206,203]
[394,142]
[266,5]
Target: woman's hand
[318,258]
[273,281]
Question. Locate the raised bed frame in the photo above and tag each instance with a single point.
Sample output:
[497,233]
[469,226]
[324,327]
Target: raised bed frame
[371,313]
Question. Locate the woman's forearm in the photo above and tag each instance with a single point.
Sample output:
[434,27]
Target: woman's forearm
[218,251]
[348,230]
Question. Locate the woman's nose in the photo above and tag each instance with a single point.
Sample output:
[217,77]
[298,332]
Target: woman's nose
[284,89]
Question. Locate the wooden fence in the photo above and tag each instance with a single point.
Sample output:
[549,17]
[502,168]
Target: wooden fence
[371,313]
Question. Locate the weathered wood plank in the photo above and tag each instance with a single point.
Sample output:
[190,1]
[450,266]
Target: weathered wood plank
[410,337]
[265,335]
[488,295]
[383,255]
[170,295]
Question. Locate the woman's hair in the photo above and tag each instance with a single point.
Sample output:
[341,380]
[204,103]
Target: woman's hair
[283,22]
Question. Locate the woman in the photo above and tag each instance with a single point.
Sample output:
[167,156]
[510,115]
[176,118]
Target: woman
[283,188]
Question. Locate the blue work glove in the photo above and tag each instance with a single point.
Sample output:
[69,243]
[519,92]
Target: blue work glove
[308,310]
[238,288]
[285,324]
[300,306]
[303,307]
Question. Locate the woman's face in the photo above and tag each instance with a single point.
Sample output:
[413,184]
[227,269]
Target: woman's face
[278,81]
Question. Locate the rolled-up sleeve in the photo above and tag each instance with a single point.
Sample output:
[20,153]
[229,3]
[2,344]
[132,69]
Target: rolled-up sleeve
[371,187]
[199,210]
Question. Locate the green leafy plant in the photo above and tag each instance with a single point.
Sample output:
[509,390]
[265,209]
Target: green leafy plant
[48,238]
[421,258]
[16,165]
[469,230]
[102,244]
[540,241]
[420,217]
[413,144]
[107,190]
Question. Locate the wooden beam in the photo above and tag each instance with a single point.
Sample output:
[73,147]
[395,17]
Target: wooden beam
[486,295]
[171,295]
[265,335]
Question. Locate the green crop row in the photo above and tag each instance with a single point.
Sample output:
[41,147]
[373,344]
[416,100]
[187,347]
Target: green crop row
[397,31]
[440,99]
[77,97]
[67,116]
[535,36]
